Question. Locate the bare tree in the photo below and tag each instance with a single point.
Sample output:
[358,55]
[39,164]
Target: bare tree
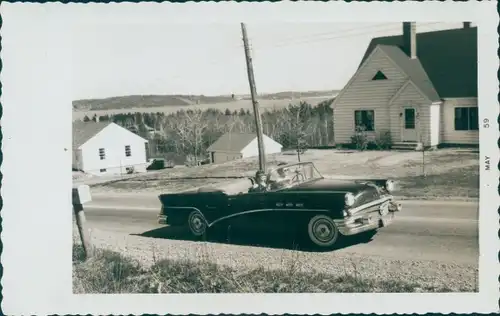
[190,127]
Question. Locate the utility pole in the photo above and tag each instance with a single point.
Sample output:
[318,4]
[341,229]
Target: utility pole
[253,92]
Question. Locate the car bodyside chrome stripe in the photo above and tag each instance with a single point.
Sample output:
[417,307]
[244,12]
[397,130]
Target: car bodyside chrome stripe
[308,192]
[189,207]
[267,210]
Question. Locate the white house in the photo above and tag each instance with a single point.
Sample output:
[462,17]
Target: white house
[107,148]
[231,146]
[420,88]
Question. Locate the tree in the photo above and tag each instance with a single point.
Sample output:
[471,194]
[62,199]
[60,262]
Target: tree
[295,135]
[86,118]
[190,128]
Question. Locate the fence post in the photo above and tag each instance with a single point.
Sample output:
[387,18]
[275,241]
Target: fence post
[81,195]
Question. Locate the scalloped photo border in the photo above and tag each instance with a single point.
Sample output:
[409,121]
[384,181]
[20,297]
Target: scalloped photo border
[36,85]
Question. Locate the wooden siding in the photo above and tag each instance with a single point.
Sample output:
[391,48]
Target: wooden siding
[448,133]
[113,139]
[362,93]
[220,157]
[409,96]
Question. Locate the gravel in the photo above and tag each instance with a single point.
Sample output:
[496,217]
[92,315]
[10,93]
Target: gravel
[454,277]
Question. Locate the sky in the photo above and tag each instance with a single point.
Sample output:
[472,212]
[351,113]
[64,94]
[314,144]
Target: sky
[116,58]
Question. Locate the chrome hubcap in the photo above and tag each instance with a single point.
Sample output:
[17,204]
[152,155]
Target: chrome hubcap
[324,231]
[197,223]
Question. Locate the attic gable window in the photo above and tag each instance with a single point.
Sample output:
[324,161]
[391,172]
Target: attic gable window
[379,76]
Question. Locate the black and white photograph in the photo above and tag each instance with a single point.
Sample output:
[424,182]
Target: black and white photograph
[340,153]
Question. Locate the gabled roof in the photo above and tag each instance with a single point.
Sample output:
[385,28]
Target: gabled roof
[414,69]
[83,131]
[448,58]
[232,142]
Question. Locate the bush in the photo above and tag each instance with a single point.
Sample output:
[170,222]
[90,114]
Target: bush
[360,140]
[383,140]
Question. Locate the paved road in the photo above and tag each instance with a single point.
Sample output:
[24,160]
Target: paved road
[425,230]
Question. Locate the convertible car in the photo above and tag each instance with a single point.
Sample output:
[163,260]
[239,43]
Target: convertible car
[295,196]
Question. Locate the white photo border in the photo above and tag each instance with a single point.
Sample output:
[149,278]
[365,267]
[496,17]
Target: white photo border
[36,219]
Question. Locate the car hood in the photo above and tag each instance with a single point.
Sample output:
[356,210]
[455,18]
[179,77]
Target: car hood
[332,186]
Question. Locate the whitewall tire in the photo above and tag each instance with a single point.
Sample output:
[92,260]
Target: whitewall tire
[197,224]
[322,231]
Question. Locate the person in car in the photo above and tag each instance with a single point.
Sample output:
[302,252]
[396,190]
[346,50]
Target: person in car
[281,180]
[260,183]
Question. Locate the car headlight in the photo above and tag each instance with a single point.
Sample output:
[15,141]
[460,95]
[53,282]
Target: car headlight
[389,185]
[349,199]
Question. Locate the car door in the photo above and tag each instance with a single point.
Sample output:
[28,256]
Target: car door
[213,205]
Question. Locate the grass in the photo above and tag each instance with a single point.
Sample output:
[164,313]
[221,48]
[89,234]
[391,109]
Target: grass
[463,182]
[111,272]
[449,173]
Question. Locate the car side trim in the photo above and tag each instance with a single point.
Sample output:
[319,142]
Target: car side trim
[189,207]
[266,210]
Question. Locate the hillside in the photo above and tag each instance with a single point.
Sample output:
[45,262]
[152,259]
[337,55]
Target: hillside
[156,101]
[146,101]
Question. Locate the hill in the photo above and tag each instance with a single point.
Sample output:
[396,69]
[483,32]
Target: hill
[145,101]
[158,101]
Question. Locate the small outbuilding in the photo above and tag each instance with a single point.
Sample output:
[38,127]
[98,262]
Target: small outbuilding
[102,148]
[232,146]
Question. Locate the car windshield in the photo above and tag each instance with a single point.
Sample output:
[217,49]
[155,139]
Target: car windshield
[291,175]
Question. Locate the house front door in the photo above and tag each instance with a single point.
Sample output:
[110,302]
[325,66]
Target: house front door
[409,125]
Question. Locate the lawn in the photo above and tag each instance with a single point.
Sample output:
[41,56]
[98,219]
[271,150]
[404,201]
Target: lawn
[445,173]
[111,272]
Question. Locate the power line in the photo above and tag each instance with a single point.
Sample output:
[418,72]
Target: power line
[284,44]
[311,39]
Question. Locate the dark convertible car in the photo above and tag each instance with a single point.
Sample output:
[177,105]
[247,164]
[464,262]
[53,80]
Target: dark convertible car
[294,196]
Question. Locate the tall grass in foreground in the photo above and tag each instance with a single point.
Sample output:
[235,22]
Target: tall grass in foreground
[110,272]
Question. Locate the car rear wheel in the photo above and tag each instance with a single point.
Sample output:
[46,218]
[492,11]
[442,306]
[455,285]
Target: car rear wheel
[197,224]
[322,231]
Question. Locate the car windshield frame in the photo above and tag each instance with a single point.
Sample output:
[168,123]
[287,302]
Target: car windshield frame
[290,169]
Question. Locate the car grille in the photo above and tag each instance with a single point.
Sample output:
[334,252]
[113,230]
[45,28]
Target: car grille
[369,195]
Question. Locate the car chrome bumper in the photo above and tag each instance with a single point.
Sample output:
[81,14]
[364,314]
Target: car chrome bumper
[162,219]
[363,222]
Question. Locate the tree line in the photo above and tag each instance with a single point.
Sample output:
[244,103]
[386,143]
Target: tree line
[190,132]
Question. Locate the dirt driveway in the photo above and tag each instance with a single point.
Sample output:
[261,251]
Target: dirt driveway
[444,173]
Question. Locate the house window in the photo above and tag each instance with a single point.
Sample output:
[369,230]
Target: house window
[102,170]
[466,119]
[365,118]
[128,152]
[102,154]
[379,76]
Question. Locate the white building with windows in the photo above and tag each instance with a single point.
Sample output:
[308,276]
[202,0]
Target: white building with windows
[104,148]
[421,88]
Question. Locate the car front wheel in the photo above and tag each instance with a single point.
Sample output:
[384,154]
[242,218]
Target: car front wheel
[197,224]
[322,231]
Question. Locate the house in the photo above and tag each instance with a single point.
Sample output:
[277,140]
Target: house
[420,88]
[107,148]
[231,146]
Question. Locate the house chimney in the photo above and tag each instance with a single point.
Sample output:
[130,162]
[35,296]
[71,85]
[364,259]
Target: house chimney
[410,39]
[466,25]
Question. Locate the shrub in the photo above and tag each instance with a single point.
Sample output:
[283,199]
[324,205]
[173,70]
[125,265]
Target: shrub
[383,140]
[360,140]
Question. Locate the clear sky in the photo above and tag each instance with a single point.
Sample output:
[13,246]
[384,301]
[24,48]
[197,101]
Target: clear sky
[122,58]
